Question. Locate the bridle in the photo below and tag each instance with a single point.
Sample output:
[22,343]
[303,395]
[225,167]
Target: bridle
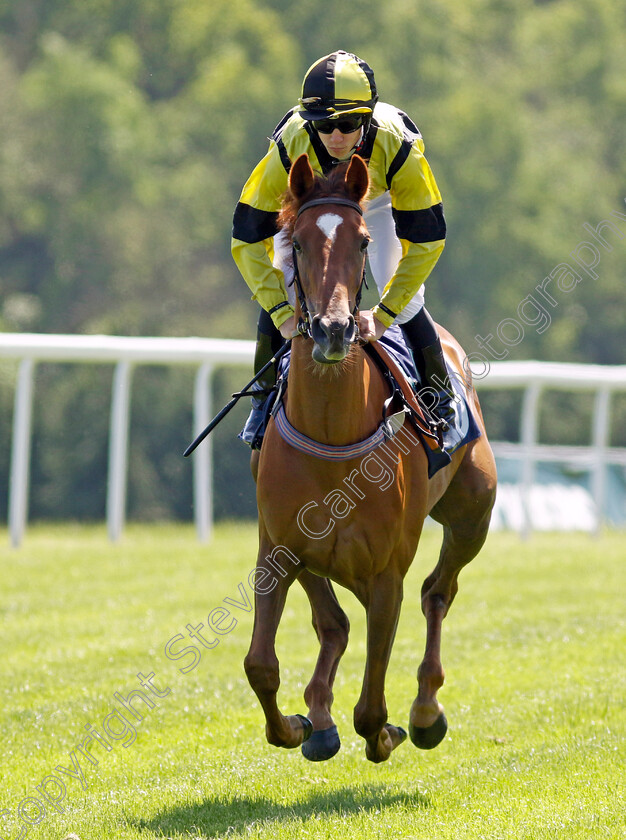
[390,423]
[304,323]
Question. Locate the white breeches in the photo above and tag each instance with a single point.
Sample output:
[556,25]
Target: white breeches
[383,254]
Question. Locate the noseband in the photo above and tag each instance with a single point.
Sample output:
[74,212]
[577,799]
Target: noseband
[304,324]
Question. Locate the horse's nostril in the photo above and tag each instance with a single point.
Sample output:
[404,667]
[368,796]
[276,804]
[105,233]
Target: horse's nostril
[343,331]
[319,330]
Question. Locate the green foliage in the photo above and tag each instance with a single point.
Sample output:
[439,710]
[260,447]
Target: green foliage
[129,126]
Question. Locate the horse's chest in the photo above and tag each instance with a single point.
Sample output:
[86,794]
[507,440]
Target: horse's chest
[344,550]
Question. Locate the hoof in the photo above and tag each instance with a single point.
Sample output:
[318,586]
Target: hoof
[307,727]
[426,738]
[401,733]
[397,733]
[322,745]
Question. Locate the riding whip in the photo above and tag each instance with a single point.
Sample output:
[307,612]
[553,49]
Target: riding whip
[245,392]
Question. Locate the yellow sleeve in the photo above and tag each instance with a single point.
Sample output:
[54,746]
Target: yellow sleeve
[416,263]
[254,227]
[267,284]
[420,227]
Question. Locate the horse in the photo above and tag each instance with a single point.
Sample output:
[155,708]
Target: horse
[361,539]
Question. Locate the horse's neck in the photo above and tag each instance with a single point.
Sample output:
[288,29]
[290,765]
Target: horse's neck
[335,406]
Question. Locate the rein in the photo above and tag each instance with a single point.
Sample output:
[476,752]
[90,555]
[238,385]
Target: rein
[304,324]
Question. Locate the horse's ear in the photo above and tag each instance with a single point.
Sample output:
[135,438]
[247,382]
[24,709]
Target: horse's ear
[301,177]
[357,179]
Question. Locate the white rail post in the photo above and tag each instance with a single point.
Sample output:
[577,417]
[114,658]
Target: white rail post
[600,440]
[20,452]
[203,456]
[118,450]
[529,420]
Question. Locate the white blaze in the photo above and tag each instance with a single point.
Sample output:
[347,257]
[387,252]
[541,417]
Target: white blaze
[328,224]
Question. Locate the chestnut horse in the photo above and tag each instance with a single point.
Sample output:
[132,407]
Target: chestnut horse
[362,537]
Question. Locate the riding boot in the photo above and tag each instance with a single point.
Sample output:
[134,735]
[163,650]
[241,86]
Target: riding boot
[268,342]
[436,379]
[436,394]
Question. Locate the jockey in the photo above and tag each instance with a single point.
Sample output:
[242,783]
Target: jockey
[339,115]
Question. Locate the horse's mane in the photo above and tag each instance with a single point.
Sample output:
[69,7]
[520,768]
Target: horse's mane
[323,187]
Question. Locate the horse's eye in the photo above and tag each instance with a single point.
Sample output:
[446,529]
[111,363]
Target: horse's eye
[296,246]
[365,243]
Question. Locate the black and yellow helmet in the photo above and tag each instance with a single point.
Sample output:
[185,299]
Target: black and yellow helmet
[338,84]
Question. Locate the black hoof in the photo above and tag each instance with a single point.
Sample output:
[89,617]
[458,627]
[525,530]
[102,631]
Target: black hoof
[307,726]
[323,744]
[426,738]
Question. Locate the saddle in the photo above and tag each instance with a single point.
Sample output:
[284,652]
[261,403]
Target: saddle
[397,357]
[404,394]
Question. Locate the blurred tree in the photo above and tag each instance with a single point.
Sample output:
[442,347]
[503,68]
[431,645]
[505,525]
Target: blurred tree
[128,127]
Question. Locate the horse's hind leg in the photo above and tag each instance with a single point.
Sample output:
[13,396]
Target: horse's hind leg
[331,626]
[261,662]
[464,511]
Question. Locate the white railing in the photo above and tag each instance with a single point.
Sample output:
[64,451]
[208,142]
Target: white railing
[125,354]
[206,353]
[535,378]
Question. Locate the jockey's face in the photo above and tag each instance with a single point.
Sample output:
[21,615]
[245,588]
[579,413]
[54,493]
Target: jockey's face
[340,145]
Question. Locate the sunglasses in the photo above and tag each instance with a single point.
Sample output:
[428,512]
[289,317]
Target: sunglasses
[346,125]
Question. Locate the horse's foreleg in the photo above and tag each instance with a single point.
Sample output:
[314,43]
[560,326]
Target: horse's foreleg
[382,604]
[331,626]
[261,662]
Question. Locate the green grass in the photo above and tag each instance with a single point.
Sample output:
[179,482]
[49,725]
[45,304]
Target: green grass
[534,651]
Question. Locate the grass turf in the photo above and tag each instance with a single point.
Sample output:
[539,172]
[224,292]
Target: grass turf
[533,650]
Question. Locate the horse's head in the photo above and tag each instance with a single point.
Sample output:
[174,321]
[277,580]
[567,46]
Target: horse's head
[329,241]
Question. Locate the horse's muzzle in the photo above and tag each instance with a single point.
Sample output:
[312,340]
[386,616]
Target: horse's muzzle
[332,338]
